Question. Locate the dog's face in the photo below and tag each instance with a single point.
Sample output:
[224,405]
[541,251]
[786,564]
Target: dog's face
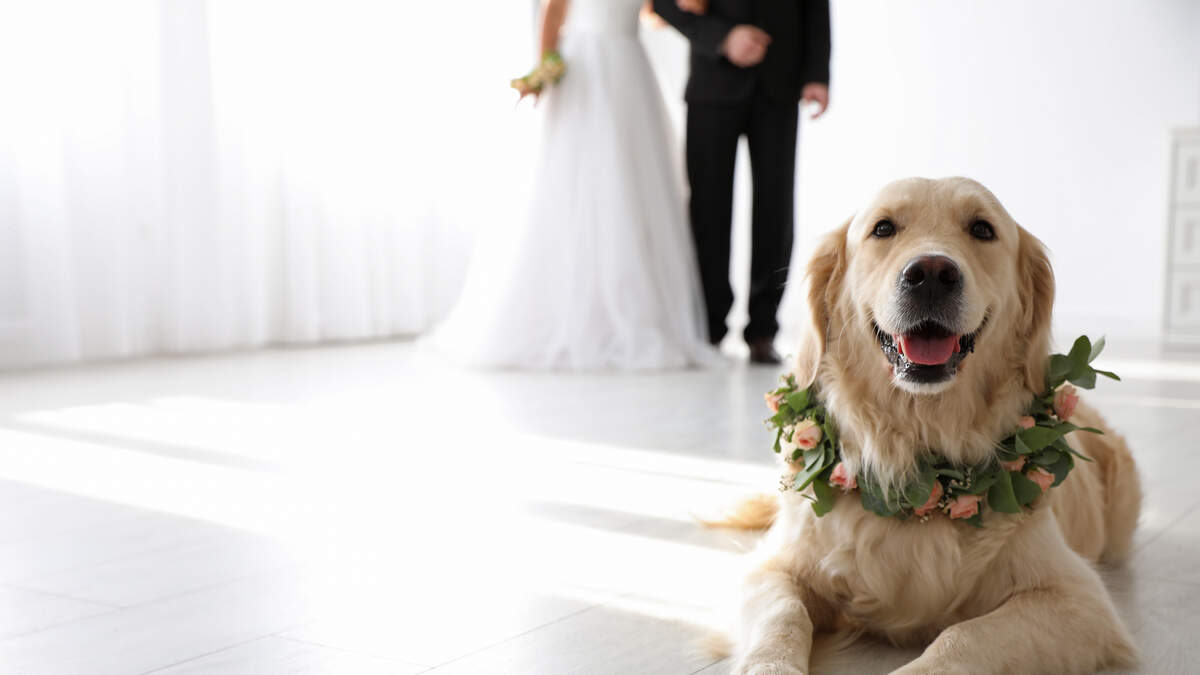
[931,278]
[929,264]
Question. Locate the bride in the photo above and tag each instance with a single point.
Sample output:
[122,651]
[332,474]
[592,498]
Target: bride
[602,274]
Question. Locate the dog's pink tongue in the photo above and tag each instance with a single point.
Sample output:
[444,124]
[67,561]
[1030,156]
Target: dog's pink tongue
[928,351]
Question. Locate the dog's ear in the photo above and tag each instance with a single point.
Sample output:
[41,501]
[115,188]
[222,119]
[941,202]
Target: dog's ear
[1037,302]
[824,278]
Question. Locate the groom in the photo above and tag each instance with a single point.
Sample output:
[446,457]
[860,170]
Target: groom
[752,63]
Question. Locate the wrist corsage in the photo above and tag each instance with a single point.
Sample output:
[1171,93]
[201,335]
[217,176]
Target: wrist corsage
[548,72]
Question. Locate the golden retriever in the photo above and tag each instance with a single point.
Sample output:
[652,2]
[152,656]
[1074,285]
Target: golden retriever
[1018,595]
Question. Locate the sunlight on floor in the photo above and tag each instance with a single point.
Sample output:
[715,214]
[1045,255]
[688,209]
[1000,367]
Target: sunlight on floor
[379,510]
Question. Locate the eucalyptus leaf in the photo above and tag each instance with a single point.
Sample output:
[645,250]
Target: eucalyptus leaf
[1108,374]
[983,481]
[798,401]
[1080,351]
[1057,370]
[1097,347]
[1038,437]
[1024,489]
[1065,447]
[1061,468]
[1085,379]
[805,477]
[1046,457]
[1021,446]
[1001,497]
[919,489]
[825,497]
[812,456]
[875,501]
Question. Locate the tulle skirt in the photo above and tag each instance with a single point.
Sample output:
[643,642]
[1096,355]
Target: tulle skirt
[601,273]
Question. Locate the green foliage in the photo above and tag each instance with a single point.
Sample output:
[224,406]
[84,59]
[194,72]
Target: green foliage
[1024,489]
[919,489]
[1075,366]
[798,401]
[1001,496]
[1036,438]
[806,476]
[877,500]
[825,497]
[1063,465]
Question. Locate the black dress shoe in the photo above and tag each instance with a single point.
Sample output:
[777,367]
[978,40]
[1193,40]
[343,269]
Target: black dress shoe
[763,351]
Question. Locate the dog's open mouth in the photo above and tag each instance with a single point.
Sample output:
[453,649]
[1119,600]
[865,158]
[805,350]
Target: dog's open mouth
[928,352]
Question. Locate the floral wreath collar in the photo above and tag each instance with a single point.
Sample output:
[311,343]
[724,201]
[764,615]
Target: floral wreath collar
[1035,458]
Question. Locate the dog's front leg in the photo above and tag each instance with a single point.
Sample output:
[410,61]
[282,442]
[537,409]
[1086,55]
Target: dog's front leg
[1063,627]
[776,626]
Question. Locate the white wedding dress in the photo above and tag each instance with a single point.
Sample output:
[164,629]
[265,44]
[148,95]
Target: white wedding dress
[602,273]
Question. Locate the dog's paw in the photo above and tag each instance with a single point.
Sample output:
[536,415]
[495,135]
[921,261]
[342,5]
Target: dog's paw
[923,667]
[776,668]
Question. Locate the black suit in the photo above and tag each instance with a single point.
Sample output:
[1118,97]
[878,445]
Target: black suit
[761,102]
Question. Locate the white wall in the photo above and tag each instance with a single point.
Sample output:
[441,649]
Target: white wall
[1062,108]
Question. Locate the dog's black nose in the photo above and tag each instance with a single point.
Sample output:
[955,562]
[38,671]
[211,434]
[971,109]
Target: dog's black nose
[931,278]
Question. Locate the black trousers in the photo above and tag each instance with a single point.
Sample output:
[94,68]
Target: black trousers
[712,139]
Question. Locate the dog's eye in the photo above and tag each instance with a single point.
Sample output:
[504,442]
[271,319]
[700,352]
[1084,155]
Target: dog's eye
[883,229]
[982,229]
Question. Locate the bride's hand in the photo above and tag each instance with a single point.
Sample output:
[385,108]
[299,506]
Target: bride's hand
[693,6]
[524,88]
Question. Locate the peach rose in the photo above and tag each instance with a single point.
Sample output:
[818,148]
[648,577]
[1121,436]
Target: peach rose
[1027,422]
[806,435]
[1065,400]
[965,506]
[774,401]
[932,502]
[1014,465]
[843,478]
[1042,477]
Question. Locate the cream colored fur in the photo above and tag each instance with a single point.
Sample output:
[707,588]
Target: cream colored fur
[1019,595]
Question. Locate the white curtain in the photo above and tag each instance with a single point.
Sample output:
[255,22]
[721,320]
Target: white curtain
[183,175]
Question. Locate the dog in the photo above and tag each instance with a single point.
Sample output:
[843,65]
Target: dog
[897,296]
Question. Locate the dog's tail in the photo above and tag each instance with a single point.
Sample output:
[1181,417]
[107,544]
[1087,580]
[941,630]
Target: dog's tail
[756,512]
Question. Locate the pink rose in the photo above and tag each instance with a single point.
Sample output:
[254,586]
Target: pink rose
[807,435]
[1065,400]
[843,478]
[1014,465]
[1042,477]
[774,401]
[932,502]
[1027,422]
[965,506]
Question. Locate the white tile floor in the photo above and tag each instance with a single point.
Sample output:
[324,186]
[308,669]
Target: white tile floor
[358,509]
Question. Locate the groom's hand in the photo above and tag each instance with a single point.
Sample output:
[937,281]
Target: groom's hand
[818,93]
[745,45]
